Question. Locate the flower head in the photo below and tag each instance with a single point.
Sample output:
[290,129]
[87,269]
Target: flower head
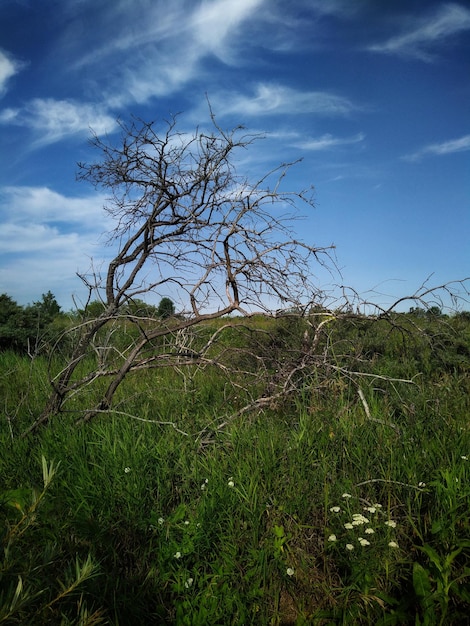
[359,519]
[392,544]
[290,571]
[177,555]
[189,583]
[230,483]
[391,523]
[350,547]
[127,470]
[346,495]
[332,538]
[363,541]
[335,509]
[369,531]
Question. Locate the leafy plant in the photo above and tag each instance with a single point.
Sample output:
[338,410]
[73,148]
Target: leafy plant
[24,597]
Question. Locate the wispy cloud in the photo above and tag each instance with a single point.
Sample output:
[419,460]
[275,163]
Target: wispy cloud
[338,8]
[420,41]
[438,149]
[8,68]
[153,49]
[327,142]
[275,99]
[215,23]
[52,120]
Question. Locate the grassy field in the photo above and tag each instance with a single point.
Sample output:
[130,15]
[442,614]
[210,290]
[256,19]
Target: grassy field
[348,503]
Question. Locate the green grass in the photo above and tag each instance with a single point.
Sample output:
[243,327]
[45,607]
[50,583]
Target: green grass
[177,521]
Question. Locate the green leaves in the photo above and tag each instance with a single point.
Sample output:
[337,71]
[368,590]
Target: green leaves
[421,582]
[19,593]
[16,498]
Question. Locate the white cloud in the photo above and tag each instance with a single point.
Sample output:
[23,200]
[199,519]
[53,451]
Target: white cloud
[8,68]
[41,204]
[53,120]
[438,149]
[449,21]
[327,141]
[214,23]
[48,237]
[154,48]
[275,99]
[51,265]
[27,239]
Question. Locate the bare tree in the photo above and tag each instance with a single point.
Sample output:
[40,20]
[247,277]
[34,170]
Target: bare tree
[187,224]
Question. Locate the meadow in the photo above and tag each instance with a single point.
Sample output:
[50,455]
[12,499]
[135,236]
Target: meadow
[346,502]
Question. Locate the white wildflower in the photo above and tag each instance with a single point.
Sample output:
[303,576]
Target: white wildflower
[391,523]
[363,541]
[348,526]
[189,583]
[349,546]
[177,555]
[335,509]
[230,483]
[290,571]
[332,538]
[161,520]
[346,495]
[127,470]
[393,544]
[359,519]
[369,531]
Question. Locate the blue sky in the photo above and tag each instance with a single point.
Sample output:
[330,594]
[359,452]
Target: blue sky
[372,95]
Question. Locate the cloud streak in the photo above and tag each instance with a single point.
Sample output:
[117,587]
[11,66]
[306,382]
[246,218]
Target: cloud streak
[328,142]
[449,21]
[53,120]
[156,49]
[8,68]
[462,144]
[276,99]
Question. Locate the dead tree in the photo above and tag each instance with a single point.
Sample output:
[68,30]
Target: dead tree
[187,223]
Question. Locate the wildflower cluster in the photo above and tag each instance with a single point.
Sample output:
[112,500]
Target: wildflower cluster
[369,527]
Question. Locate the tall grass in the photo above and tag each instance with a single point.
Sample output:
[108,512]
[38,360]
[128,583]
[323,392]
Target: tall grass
[174,520]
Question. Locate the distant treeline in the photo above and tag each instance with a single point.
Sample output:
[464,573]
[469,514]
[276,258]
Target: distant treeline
[33,328]
[22,328]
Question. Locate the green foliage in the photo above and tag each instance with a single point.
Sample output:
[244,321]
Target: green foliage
[29,329]
[28,593]
[196,519]
[166,308]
